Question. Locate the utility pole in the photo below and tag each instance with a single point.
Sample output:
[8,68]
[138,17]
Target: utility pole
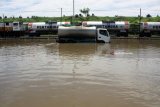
[3,21]
[61,14]
[73,8]
[140,21]
[3,25]
[73,12]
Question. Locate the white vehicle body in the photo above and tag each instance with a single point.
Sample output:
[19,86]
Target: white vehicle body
[17,26]
[117,27]
[149,28]
[41,26]
[63,23]
[153,26]
[108,25]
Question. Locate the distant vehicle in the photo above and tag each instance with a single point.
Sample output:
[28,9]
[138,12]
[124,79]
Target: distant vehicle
[11,29]
[149,28]
[7,26]
[38,28]
[120,28]
[17,26]
[82,34]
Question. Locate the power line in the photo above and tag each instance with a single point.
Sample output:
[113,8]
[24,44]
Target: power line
[47,11]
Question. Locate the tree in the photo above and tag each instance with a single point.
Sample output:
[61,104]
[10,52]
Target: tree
[80,15]
[85,11]
[20,17]
[148,15]
[0,17]
[93,14]
[117,15]
[5,17]
[33,17]
[76,16]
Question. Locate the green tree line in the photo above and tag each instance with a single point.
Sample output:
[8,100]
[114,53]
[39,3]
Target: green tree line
[79,17]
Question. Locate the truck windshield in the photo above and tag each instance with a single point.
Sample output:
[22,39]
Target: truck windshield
[103,32]
[15,24]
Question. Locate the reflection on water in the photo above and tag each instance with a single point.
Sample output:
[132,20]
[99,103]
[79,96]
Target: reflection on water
[41,73]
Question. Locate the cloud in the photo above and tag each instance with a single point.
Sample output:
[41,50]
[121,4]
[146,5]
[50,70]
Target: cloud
[100,8]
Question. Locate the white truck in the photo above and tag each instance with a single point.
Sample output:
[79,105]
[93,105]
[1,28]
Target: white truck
[82,34]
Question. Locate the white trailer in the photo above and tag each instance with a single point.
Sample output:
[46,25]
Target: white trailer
[149,28]
[120,28]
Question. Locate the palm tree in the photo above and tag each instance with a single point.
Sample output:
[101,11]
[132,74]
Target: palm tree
[85,11]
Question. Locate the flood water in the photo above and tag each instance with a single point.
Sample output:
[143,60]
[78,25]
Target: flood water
[41,73]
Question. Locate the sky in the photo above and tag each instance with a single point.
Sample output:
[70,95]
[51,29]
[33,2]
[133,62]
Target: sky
[51,8]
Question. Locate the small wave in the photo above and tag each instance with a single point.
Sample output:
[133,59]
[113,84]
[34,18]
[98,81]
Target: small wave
[123,53]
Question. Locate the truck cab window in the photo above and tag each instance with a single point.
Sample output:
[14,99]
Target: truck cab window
[153,27]
[7,24]
[15,24]
[103,32]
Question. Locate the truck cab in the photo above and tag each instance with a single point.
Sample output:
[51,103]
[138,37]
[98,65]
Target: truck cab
[103,35]
[17,26]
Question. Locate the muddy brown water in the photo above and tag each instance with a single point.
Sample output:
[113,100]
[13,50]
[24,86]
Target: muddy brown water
[41,73]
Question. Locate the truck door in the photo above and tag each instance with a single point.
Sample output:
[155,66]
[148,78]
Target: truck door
[103,35]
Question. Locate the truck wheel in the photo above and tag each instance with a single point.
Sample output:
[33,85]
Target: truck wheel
[126,35]
[141,35]
[118,35]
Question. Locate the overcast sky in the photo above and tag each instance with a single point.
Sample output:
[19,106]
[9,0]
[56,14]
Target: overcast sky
[98,7]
